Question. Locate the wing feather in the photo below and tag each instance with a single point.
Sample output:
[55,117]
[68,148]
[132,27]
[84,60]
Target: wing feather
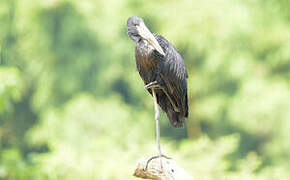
[173,73]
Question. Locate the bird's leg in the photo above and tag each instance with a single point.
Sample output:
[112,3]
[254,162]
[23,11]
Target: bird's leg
[157,130]
[171,101]
[157,123]
[155,85]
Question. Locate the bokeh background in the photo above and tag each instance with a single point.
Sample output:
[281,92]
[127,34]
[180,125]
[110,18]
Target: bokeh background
[72,105]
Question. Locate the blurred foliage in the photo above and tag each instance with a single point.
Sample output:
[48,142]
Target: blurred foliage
[72,105]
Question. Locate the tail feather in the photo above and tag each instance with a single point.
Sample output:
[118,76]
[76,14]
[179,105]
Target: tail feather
[176,118]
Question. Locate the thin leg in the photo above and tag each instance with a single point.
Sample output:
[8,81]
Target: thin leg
[150,85]
[157,122]
[155,85]
[160,155]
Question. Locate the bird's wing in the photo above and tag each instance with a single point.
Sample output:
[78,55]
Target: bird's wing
[173,73]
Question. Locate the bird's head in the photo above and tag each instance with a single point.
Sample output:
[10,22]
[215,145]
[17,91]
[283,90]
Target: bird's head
[137,31]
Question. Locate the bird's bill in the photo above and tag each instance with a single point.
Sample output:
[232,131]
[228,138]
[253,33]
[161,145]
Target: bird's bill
[146,34]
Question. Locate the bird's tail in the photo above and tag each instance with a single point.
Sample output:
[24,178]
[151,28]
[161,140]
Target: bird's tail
[176,118]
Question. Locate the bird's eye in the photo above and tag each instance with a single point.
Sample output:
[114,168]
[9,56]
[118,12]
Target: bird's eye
[136,23]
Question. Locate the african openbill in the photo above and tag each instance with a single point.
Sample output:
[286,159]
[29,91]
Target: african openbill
[162,69]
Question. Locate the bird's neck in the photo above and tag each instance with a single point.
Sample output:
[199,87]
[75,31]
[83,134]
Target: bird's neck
[144,55]
[144,47]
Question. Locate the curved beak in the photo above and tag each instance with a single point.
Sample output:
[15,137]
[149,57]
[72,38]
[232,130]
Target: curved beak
[146,34]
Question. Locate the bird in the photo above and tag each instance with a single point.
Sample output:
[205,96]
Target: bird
[163,71]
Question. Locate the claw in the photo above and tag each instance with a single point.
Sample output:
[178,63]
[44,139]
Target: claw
[154,157]
[153,84]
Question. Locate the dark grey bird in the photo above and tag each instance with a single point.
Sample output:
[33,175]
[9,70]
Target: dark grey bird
[163,71]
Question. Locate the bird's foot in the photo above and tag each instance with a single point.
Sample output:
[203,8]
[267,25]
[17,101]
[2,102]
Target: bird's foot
[153,84]
[154,157]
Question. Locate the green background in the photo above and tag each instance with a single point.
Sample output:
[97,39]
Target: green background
[72,105]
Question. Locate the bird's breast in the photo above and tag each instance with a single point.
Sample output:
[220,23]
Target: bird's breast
[144,57]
